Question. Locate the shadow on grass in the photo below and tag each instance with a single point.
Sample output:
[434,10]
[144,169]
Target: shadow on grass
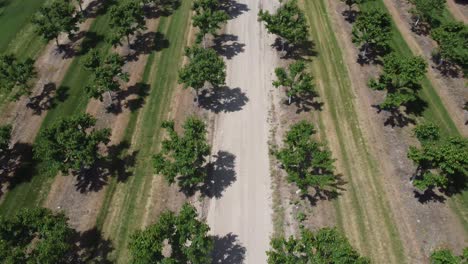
[333,192]
[17,166]
[91,247]
[48,98]
[147,43]
[402,118]
[117,163]
[132,98]
[228,250]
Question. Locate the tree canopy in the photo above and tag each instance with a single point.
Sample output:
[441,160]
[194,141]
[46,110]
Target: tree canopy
[16,75]
[453,45]
[400,78]
[445,256]
[307,162]
[296,80]
[70,143]
[5,137]
[54,18]
[165,6]
[288,22]
[208,18]
[351,3]
[441,161]
[107,71]
[427,11]
[205,66]
[126,19]
[183,157]
[185,234]
[327,245]
[372,32]
[35,236]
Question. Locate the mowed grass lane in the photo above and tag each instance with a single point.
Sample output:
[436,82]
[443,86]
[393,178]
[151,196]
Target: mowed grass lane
[362,211]
[32,182]
[435,112]
[125,203]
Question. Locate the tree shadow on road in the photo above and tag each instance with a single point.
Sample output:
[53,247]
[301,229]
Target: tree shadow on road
[227,45]
[228,250]
[221,175]
[223,99]
[233,8]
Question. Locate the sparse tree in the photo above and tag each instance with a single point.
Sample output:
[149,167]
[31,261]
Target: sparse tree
[372,32]
[427,12]
[71,144]
[296,80]
[327,245]
[208,18]
[453,46]
[126,19]
[307,162]
[289,23]
[165,6]
[400,78]
[16,75]
[186,235]
[55,18]
[107,71]
[35,236]
[205,66]
[183,157]
[351,3]
[440,161]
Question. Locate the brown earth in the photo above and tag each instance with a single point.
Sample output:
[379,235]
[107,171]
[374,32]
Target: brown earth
[422,226]
[459,9]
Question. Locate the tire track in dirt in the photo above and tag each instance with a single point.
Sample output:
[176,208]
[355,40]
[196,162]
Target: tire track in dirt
[456,112]
[410,217]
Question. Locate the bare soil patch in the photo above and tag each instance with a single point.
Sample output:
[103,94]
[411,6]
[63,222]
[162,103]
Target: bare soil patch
[459,9]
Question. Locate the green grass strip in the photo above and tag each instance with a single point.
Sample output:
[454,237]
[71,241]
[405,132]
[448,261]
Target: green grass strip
[161,74]
[328,67]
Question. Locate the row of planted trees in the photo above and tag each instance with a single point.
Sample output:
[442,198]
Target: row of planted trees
[442,162]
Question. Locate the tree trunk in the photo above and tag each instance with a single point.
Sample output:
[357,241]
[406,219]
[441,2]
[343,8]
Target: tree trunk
[289,100]
[417,22]
[57,42]
[81,8]
[196,97]
[204,41]
[128,41]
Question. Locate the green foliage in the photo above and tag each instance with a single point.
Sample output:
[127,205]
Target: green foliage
[445,256]
[427,132]
[204,66]
[35,236]
[289,23]
[70,144]
[126,19]
[307,162]
[15,75]
[296,80]
[440,161]
[372,32]
[183,157]
[325,246]
[400,78]
[188,239]
[208,18]
[5,136]
[350,3]
[453,44]
[165,6]
[55,18]
[107,71]
[427,11]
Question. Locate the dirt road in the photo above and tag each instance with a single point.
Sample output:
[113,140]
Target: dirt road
[244,209]
[458,10]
